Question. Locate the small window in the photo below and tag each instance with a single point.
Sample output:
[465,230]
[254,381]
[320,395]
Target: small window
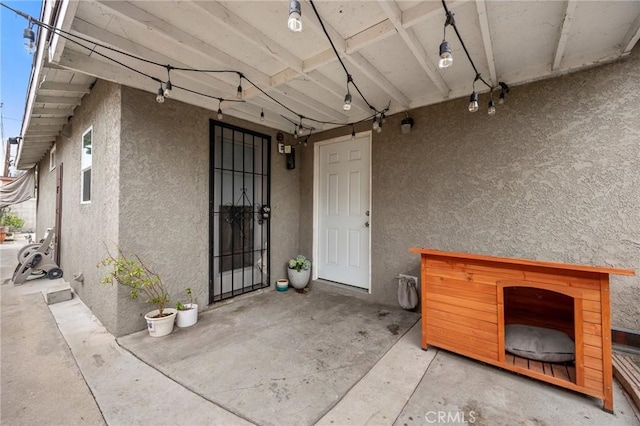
[52,158]
[85,166]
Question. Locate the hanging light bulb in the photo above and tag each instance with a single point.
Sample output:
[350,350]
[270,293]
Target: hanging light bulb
[168,86]
[262,115]
[383,119]
[353,132]
[347,102]
[446,59]
[295,13]
[376,126]
[473,102]
[503,92]
[160,95]
[30,38]
[220,116]
[239,93]
[379,129]
[492,107]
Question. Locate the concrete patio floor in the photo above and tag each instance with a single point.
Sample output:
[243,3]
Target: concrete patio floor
[326,357]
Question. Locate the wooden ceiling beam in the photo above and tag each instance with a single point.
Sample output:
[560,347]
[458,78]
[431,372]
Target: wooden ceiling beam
[632,37]
[356,59]
[486,39]
[564,34]
[411,41]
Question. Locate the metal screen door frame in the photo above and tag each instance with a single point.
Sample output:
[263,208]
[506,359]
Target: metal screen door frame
[239,211]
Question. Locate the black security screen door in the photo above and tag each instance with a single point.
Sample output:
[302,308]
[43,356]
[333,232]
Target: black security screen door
[239,211]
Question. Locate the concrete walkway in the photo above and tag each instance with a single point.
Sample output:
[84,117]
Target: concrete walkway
[65,369]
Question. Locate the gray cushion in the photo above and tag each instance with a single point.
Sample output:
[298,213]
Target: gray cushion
[540,344]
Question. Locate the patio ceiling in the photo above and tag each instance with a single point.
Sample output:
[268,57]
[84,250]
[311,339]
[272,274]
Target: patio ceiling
[389,47]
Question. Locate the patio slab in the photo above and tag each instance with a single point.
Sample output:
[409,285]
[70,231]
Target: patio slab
[458,390]
[277,358]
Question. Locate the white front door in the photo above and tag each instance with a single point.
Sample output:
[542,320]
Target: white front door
[343,187]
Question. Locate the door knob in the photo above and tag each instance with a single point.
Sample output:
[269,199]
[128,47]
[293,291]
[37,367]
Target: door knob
[366,224]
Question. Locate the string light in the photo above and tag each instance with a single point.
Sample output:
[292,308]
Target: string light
[239,93]
[220,116]
[30,37]
[160,95]
[446,59]
[262,115]
[347,97]
[168,86]
[492,106]
[353,132]
[295,14]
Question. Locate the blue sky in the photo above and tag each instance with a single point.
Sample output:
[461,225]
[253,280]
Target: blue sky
[15,65]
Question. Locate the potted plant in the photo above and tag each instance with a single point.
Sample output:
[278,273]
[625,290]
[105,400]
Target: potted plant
[187,312]
[299,271]
[131,272]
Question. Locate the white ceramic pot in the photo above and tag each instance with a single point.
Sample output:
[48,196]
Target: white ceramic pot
[162,326]
[282,285]
[188,317]
[297,279]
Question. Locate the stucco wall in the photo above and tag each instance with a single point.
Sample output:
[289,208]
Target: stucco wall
[554,175]
[86,226]
[164,197]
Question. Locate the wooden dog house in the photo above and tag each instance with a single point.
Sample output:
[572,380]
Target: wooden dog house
[468,299]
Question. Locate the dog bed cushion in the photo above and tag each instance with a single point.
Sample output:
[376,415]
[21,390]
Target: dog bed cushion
[540,344]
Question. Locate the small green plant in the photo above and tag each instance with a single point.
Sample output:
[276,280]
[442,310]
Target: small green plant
[299,263]
[181,306]
[9,220]
[130,271]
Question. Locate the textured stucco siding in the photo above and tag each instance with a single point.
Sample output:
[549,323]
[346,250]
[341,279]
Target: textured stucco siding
[554,175]
[164,197]
[86,227]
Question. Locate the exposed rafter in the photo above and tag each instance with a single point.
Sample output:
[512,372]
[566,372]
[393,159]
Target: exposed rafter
[356,59]
[245,30]
[564,33]
[408,36]
[632,37]
[486,39]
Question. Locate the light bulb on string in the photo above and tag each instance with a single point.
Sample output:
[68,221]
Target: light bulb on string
[376,126]
[160,95]
[379,129]
[240,93]
[347,102]
[168,86]
[473,102]
[295,14]
[492,107]
[220,116]
[353,132]
[446,59]
[30,38]
[262,115]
